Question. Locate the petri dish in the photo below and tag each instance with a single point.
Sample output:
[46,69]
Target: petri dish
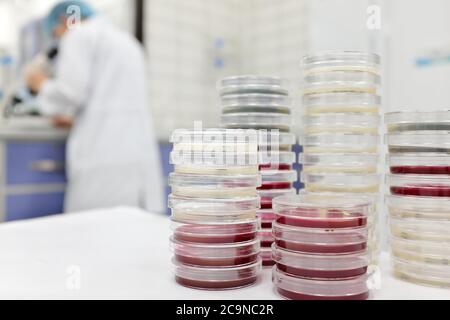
[419,142]
[327,61]
[419,163]
[268,195]
[223,278]
[254,102]
[276,161]
[420,229]
[350,123]
[340,143]
[341,102]
[296,288]
[422,273]
[419,185]
[421,251]
[341,81]
[267,217]
[340,163]
[275,179]
[321,266]
[266,237]
[405,121]
[267,121]
[252,84]
[342,182]
[422,208]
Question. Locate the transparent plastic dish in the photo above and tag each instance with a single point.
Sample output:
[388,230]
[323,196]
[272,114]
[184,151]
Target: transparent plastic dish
[275,179]
[220,186]
[350,123]
[343,102]
[224,233]
[321,266]
[341,81]
[267,196]
[276,161]
[252,84]
[341,61]
[340,143]
[266,103]
[217,170]
[418,121]
[419,185]
[207,278]
[216,255]
[340,163]
[342,182]
[319,240]
[267,217]
[268,121]
[274,140]
[198,140]
[296,288]
[419,163]
[421,251]
[420,229]
[323,212]
[422,208]
[266,237]
[266,256]
[419,142]
[213,206]
[422,273]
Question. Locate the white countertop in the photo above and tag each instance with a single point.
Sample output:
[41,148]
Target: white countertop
[121,254]
[28,128]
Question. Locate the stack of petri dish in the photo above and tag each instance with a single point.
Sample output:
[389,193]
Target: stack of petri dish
[419,199]
[214,203]
[341,121]
[263,103]
[321,247]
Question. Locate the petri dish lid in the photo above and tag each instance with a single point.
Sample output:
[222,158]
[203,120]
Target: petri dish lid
[416,121]
[420,229]
[341,99]
[434,274]
[419,180]
[254,120]
[273,138]
[425,140]
[340,140]
[252,84]
[419,207]
[220,181]
[338,160]
[327,206]
[215,229]
[213,158]
[427,248]
[419,159]
[215,250]
[341,60]
[350,81]
[212,206]
[276,157]
[256,101]
[366,120]
[279,176]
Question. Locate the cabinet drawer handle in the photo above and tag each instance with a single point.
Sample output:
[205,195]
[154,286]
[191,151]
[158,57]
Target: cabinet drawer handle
[47,166]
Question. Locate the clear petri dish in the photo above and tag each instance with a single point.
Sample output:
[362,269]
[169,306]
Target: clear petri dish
[419,185]
[268,195]
[278,179]
[309,210]
[219,186]
[217,233]
[217,278]
[418,121]
[254,102]
[341,81]
[419,163]
[276,160]
[267,217]
[313,240]
[216,170]
[216,255]
[340,163]
[275,141]
[327,61]
[421,251]
[266,237]
[420,229]
[350,123]
[340,143]
[296,288]
[422,273]
[422,208]
[321,266]
[252,84]
[342,182]
[266,256]
[343,102]
[256,121]
[419,142]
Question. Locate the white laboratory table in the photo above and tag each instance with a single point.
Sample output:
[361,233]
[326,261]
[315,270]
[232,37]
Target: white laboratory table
[121,253]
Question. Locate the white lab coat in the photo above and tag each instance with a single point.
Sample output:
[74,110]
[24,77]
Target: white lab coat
[112,154]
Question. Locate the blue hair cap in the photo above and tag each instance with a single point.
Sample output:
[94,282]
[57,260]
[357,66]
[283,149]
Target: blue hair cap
[64,9]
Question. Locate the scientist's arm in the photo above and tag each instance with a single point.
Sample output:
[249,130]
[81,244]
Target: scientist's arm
[63,96]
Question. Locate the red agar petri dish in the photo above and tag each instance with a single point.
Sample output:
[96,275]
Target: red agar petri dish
[314,218]
[216,233]
[424,190]
[445,170]
[275,166]
[275,185]
[299,296]
[267,238]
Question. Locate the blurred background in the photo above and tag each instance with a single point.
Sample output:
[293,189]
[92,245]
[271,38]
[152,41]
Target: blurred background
[191,44]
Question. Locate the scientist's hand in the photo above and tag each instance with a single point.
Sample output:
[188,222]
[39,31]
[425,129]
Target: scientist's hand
[64,122]
[35,79]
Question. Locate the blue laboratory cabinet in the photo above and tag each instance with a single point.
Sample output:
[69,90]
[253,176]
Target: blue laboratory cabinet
[33,179]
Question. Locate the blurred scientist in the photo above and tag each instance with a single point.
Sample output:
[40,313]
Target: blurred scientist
[99,92]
